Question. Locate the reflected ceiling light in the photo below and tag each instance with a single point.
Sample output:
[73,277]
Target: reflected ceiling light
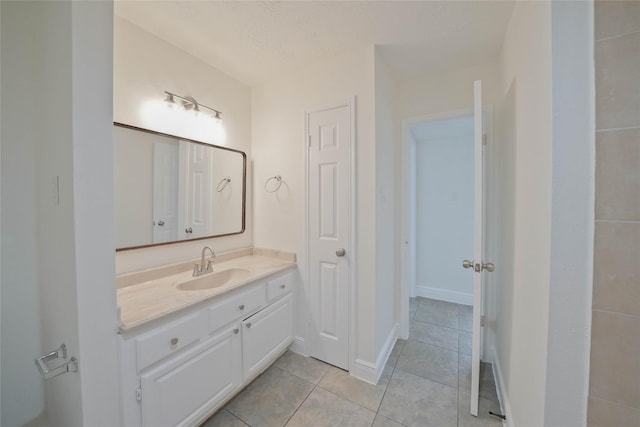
[169,100]
[190,103]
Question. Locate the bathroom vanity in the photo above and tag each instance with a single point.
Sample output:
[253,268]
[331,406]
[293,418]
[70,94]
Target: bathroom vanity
[188,344]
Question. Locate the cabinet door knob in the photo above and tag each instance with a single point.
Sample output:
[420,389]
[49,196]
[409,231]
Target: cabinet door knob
[249,325]
[174,341]
[236,330]
[241,306]
[282,286]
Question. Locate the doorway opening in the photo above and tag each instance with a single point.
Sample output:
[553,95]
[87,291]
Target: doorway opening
[437,225]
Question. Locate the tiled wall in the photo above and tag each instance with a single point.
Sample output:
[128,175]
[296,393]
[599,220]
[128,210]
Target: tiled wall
[614,389]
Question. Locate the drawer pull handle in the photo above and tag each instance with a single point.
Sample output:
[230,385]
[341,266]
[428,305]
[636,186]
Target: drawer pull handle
[236,330]
[282,286]
[174,341]
[249,325]
[241,306]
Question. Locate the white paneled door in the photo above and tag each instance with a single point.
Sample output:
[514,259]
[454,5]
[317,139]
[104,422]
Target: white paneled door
[196,190]
[329,180]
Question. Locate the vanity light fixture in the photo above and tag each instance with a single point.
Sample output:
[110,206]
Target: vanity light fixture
[190,103]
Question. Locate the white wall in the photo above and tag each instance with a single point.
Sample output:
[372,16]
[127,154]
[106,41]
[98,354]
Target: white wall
[387,246]
[278,110]
[65,61]
[526,70]
[572,213]
[444,203]
[22,79]
[144,67]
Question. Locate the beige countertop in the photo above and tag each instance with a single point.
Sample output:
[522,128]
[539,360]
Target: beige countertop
[146,296]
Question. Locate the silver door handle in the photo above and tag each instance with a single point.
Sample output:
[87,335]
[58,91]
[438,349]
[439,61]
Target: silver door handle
[488,266]
[160,223]
[467,264]
[341,252]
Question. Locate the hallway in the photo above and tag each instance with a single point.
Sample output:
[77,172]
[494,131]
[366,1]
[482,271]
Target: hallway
[425,383]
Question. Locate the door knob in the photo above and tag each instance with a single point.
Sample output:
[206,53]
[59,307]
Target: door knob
[467,264]
[341,252]
[488,266]
[188,230]
[160,223]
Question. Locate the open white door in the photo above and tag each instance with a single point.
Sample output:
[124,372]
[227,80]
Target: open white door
[477,264]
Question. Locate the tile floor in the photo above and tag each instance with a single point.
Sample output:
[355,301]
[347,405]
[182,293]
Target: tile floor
[425,383]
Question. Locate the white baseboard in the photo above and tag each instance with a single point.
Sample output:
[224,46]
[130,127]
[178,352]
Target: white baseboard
[371,372]
[299,345]
[503,397]
[444,295]
[365,371]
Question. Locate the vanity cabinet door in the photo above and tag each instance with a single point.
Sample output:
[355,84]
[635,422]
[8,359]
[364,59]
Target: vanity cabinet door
[184,390]
[265,334]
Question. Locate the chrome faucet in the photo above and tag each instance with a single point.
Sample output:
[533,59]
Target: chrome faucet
[199,270]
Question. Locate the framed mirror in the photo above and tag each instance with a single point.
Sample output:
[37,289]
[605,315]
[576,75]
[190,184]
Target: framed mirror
[170,189]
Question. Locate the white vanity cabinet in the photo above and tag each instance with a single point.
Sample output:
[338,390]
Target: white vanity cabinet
[265,335]
[179,370]
[180,391]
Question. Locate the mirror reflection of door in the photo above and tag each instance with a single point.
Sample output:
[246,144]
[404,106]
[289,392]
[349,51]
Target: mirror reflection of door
[165,191]
[196,185]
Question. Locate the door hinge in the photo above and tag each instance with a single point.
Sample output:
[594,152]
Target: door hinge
[309,140]
[484,139]
[482,320]
[139,394]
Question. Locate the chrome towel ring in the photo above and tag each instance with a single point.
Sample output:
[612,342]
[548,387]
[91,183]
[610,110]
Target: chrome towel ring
[275,187]
[223,184]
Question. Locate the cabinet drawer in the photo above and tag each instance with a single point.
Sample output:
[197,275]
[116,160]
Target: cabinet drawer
[236,306]
[279,286]
[187,387]
[168,339]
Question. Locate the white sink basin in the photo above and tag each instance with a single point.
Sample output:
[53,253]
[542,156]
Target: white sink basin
[215,279]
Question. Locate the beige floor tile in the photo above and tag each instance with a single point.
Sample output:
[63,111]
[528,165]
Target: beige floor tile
[325,409]
[395,353]
[224,419]
[465,312]
[465,342]
[438,313]
[428,361]
[344,385]
[271,399]
[416,401]
[307,368]
[429,333]
[381,421]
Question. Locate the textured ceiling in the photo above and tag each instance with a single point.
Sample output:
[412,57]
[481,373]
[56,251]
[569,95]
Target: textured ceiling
[255,41]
